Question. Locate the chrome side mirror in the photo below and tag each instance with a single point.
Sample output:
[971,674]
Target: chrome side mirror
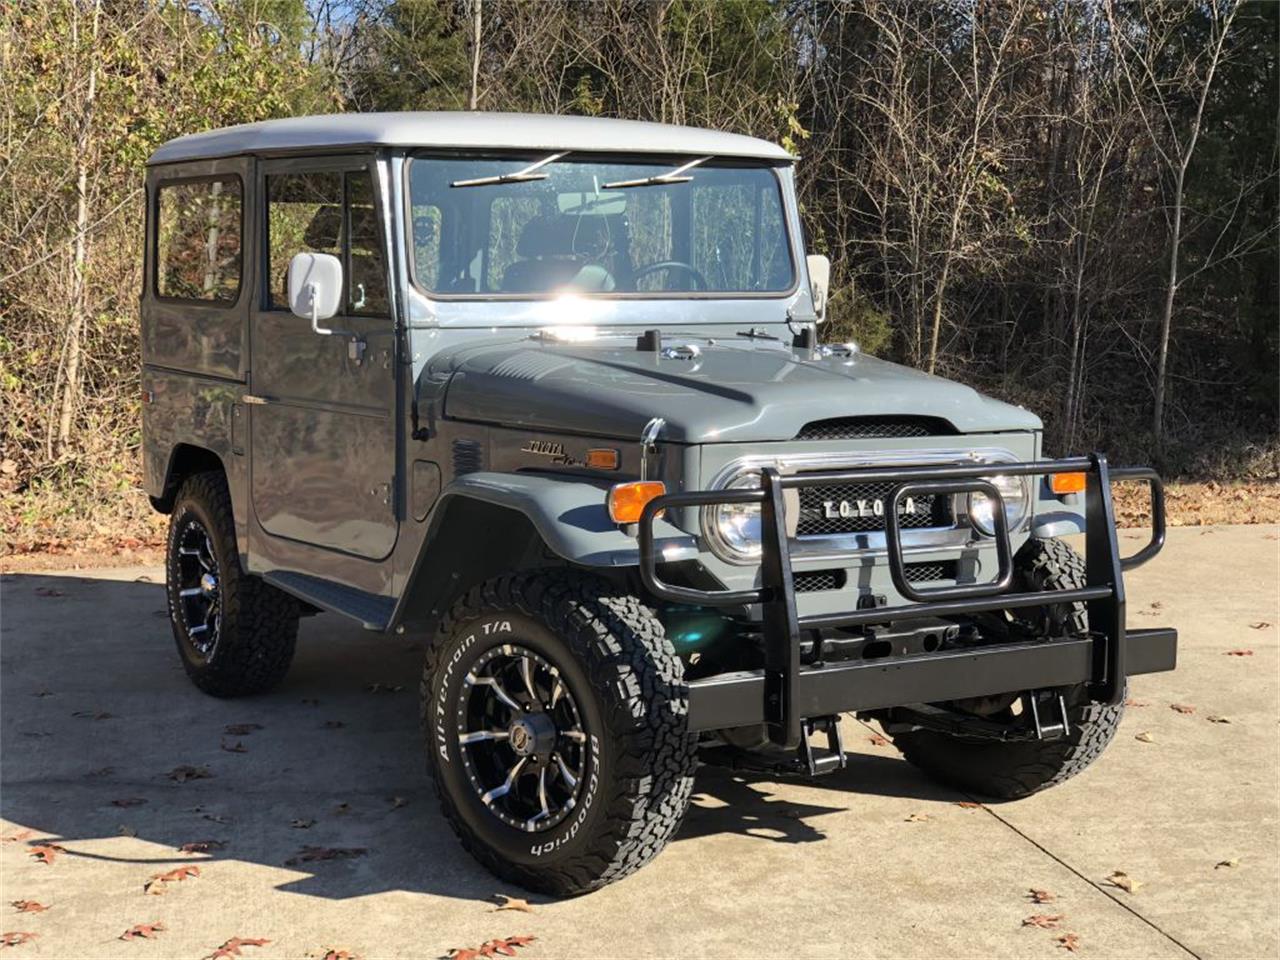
[315,294]
[819,282]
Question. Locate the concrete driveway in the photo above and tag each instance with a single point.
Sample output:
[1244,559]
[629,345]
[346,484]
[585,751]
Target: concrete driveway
[872,861]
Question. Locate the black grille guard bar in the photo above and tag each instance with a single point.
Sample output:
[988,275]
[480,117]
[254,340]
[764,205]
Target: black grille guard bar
[1103,591]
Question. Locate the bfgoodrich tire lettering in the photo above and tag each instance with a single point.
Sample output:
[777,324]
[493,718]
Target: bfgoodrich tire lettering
[1010,770]
[246,646]
[637,761]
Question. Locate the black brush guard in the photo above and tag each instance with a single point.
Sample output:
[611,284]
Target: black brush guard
[785,693]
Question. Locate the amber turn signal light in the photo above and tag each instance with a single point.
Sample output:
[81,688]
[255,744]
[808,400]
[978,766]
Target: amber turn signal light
[1061,483]
[602,459]
[627,500]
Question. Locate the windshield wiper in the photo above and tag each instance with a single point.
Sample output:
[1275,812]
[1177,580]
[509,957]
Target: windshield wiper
[673,176]
[519,176]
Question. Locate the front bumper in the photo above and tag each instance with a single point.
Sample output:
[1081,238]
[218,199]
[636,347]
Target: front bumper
[784,693]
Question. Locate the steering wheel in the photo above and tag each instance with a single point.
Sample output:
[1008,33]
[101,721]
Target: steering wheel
[699,281]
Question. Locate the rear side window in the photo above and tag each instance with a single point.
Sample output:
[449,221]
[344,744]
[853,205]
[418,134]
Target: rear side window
[329,212]
[198,227]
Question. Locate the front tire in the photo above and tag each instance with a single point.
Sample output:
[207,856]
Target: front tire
[554,712]
[235,633]
[1008,771]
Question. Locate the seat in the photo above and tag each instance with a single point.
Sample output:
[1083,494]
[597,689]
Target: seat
[560,251]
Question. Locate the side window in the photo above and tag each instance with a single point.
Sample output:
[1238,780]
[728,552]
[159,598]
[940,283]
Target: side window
[326,213]
[198,254]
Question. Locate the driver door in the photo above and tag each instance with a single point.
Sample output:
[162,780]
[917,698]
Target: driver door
[321,412]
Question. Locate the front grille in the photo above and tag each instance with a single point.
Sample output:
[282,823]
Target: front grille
[849,501]
[927,572]
[812,581]
[870,428]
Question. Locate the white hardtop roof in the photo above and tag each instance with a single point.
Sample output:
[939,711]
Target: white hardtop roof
[515,131]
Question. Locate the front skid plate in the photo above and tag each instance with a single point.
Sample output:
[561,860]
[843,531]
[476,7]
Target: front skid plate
[738,699]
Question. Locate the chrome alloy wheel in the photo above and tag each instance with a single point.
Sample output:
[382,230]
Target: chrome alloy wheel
[199,600]
[521,737]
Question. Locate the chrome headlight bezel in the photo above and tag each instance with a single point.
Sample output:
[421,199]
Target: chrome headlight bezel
[717,525]
[1016,494]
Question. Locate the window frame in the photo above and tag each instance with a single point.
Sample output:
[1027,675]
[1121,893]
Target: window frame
[160,185]
[584,156]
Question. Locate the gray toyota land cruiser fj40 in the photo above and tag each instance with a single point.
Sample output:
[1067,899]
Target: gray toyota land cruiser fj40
[548,392]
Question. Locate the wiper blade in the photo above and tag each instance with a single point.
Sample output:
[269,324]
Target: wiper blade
[519,176]
[674,176]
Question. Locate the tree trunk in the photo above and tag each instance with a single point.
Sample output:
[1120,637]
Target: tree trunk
[474,98]
[1166,317]
[80,253]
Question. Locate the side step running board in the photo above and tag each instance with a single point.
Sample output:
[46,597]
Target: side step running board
[373,611]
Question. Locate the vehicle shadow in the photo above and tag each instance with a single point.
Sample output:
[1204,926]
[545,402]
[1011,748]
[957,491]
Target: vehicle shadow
[103,736]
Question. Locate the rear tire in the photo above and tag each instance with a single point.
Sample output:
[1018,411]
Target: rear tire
[603,779]
[1007,771]
[235,633]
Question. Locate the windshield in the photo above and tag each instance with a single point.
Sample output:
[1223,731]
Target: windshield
[535,226]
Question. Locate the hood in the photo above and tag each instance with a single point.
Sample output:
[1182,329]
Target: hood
[731,393]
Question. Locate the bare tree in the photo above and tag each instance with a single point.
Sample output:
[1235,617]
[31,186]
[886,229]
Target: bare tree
[1147,48]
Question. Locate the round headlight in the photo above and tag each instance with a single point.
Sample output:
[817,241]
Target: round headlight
[734,528]
[1013,490]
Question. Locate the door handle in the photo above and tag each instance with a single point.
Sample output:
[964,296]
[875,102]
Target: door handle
[254,401]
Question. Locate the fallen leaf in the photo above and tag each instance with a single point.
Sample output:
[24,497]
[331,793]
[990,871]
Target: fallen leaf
[126,831]
[1125,882]
[1044,921]
[968,805]
[490,948]
[145,931]
[202,846]
[1259,625]
[1136,703]
[313,854]
[31,906]
[101,772]
[128,802]
[43,692]
[232,947]
[342,808]
[1069,941]
[240,729]
[310,702]
[215,818]
[877,741]
[1182,708]
[1040,896]
[384,688]
[1214,718]
[1145,737]
[184,773]
[334,724]
[302,824]
[1239,653]
[16,938]
[46,852]
[513,903]
[236,747]
[917,818]
[333,953]
[49,592]
[157,884]
[1233,862]
[1156,604]
[16,837]
[397,802]
[92,715]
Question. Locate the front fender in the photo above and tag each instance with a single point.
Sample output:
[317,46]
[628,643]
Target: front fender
[488,524]
[569,516]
